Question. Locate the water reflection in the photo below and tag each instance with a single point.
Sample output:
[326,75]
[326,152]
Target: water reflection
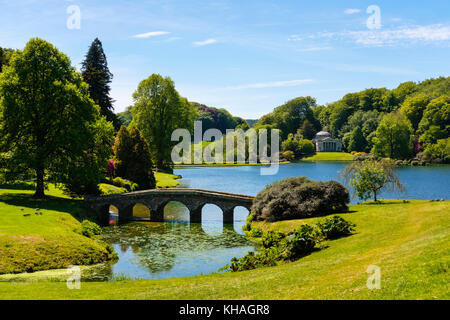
[151,250]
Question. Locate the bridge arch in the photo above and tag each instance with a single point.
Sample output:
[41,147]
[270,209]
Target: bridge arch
[175,210]
[212,217]
[141,211]
[240,216]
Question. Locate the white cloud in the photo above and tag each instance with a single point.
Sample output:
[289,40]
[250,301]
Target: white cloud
[294,37]
[314,49]
[352,11]
[173,39]
[205,42]
[150,34]
[375,69]
[274,84]
[402,35]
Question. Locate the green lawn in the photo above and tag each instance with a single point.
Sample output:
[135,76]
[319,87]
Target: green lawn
[329,156]
[51,240]
[166,180]
[408,241]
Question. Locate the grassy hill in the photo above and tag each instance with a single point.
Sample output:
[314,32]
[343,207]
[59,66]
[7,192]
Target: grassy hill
[50,240]
[408,241]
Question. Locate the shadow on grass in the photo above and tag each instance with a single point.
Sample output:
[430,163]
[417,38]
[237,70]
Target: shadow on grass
[74,207]
[18,186]
[390,201]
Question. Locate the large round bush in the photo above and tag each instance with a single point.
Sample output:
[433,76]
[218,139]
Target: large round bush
[299,197]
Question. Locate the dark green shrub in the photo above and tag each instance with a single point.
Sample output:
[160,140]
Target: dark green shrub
[335,227]
[107,189]
[255,232]
[300,243]
[124,183]
[90,229]
[248,223]
[272,238]
[265,258]
[299,197]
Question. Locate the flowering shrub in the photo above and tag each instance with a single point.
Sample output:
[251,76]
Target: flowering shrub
[110,169]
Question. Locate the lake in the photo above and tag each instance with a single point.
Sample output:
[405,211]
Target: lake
[176,248]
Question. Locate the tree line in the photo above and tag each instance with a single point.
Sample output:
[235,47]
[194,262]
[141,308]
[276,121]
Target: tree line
[410,121]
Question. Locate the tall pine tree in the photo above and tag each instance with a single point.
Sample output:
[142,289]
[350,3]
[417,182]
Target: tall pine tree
[96,74]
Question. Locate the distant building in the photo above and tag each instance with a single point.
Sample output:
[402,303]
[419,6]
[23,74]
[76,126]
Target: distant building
[325,143]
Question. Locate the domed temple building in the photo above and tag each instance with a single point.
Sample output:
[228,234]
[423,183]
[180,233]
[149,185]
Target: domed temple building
[325,143]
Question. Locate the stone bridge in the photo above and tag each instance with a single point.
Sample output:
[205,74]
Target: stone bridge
[156,200]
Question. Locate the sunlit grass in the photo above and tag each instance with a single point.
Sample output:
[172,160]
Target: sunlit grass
[329,156]
[166,180]
[41,234]
[408,241]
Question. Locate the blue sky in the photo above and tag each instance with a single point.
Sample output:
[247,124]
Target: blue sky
[245,56]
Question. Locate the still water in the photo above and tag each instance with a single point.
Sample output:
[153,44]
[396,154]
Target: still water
[176,248]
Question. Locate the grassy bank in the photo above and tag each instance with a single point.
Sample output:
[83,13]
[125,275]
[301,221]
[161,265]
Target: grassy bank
[166,180]
[181,166]
[49,240]
[329,156]
[408,241]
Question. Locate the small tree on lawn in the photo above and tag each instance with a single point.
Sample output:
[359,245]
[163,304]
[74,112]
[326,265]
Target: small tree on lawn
[370,177]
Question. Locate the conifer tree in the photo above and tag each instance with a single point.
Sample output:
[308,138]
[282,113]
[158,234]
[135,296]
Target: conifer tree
[96,74]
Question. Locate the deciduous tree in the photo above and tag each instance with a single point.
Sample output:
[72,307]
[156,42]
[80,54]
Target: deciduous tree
[158,110]
[393,137]
[47,120]
[369,177]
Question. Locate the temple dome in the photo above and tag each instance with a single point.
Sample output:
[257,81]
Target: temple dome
[322,135]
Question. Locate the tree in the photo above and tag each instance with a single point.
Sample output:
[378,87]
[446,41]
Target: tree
[439,152]
[125,117]
[393,137]
[243,126]
[435,123]
[357,141]
[5,56]
[290,144]
[413,107]
[47,120]
[372,99]
[306,147]
[82,173]
[322,114]
[132,158]
[370,177]
[339,116]
[290,116]
[307,130]
[96,74]
[158,110]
